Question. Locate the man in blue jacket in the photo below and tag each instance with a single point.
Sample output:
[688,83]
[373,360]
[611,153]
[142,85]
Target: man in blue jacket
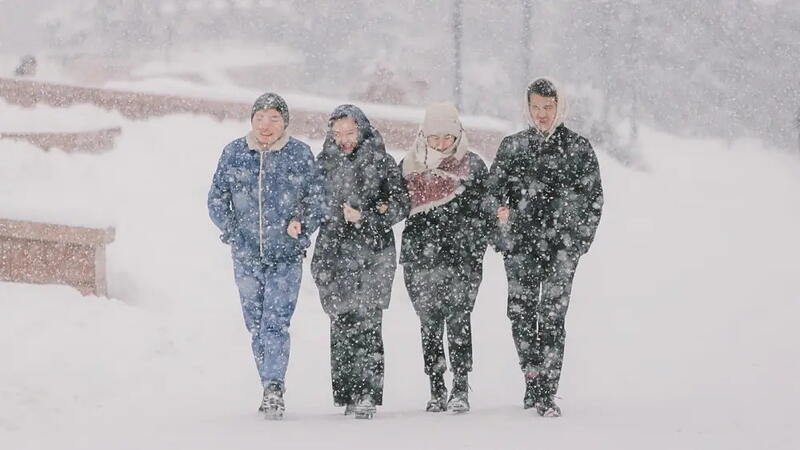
[266,198]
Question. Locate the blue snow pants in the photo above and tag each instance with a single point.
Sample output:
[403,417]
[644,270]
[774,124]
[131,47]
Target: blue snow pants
[268,295]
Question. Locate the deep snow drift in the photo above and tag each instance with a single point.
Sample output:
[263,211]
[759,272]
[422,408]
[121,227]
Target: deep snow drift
[680,334]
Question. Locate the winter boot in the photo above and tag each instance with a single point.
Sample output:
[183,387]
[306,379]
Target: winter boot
[459,398]
[365,408]
[546,407]
[272,405]
[530,390]
[349,409]
[438,401]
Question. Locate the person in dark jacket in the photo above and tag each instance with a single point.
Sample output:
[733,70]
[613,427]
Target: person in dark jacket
[354,256]
[444,241]
[266,198]
[546,192]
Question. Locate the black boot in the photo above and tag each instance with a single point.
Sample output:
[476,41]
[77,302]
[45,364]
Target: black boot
[459,399]
[530,391]
[365,407]
[546,407]
[545,393]
[438,401]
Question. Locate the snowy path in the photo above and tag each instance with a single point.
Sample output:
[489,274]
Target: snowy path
[681,330]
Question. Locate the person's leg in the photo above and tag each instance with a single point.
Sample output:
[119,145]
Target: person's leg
[431,332]
[281,287]
[250,282]
[459,341]
[455,302]
[372,297]
[423,289]
[552,312]
[343,373]
[423,292]
[524,274]
[524,283]
[371,355]
[368,362]
[460,299]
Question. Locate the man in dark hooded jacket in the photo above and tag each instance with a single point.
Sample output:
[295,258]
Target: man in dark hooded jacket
[354,256]
[547,195]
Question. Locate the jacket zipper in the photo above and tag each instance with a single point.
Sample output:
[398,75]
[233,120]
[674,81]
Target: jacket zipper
[260,204]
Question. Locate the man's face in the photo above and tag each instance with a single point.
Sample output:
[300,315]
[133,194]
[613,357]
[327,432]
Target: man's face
[345,134]
[268,126]
[543,111]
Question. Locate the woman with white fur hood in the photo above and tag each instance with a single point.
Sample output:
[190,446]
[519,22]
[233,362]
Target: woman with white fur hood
[443,245]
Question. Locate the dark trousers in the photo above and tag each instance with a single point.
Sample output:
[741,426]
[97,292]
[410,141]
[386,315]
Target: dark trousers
[357,356]
[443,298]
[459,342]
[538,298]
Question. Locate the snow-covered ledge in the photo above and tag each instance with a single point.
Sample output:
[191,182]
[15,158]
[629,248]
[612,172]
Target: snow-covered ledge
[94,141]
[398,124]
[43,253]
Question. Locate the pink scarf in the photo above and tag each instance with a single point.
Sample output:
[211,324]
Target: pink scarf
[432,187]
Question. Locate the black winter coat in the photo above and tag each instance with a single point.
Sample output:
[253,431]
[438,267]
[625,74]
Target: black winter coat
[553,190]
[354,264]
[454,234]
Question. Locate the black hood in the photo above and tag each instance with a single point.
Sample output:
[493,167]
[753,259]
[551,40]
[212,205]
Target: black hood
[368,136]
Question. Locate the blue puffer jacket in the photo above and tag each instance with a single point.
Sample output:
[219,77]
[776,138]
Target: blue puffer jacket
[255,194]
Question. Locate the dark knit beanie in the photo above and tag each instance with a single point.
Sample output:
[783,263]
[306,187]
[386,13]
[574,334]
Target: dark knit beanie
[271,101]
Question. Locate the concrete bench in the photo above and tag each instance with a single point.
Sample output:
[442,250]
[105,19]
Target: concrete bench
[43,253]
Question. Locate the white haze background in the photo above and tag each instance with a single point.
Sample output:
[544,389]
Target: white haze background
[682,325]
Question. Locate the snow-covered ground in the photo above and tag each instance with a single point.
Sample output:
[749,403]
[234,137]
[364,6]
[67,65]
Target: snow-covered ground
[681,333]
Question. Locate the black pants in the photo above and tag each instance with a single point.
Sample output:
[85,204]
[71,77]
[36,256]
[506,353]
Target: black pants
[357,356]
[443,298]
[538,298]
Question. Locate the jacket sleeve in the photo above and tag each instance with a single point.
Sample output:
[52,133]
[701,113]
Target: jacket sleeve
[327,195]
[590,190]
[313,205]
[478,220]
[498,183]
[394,191]
[219,198]
[498,193]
